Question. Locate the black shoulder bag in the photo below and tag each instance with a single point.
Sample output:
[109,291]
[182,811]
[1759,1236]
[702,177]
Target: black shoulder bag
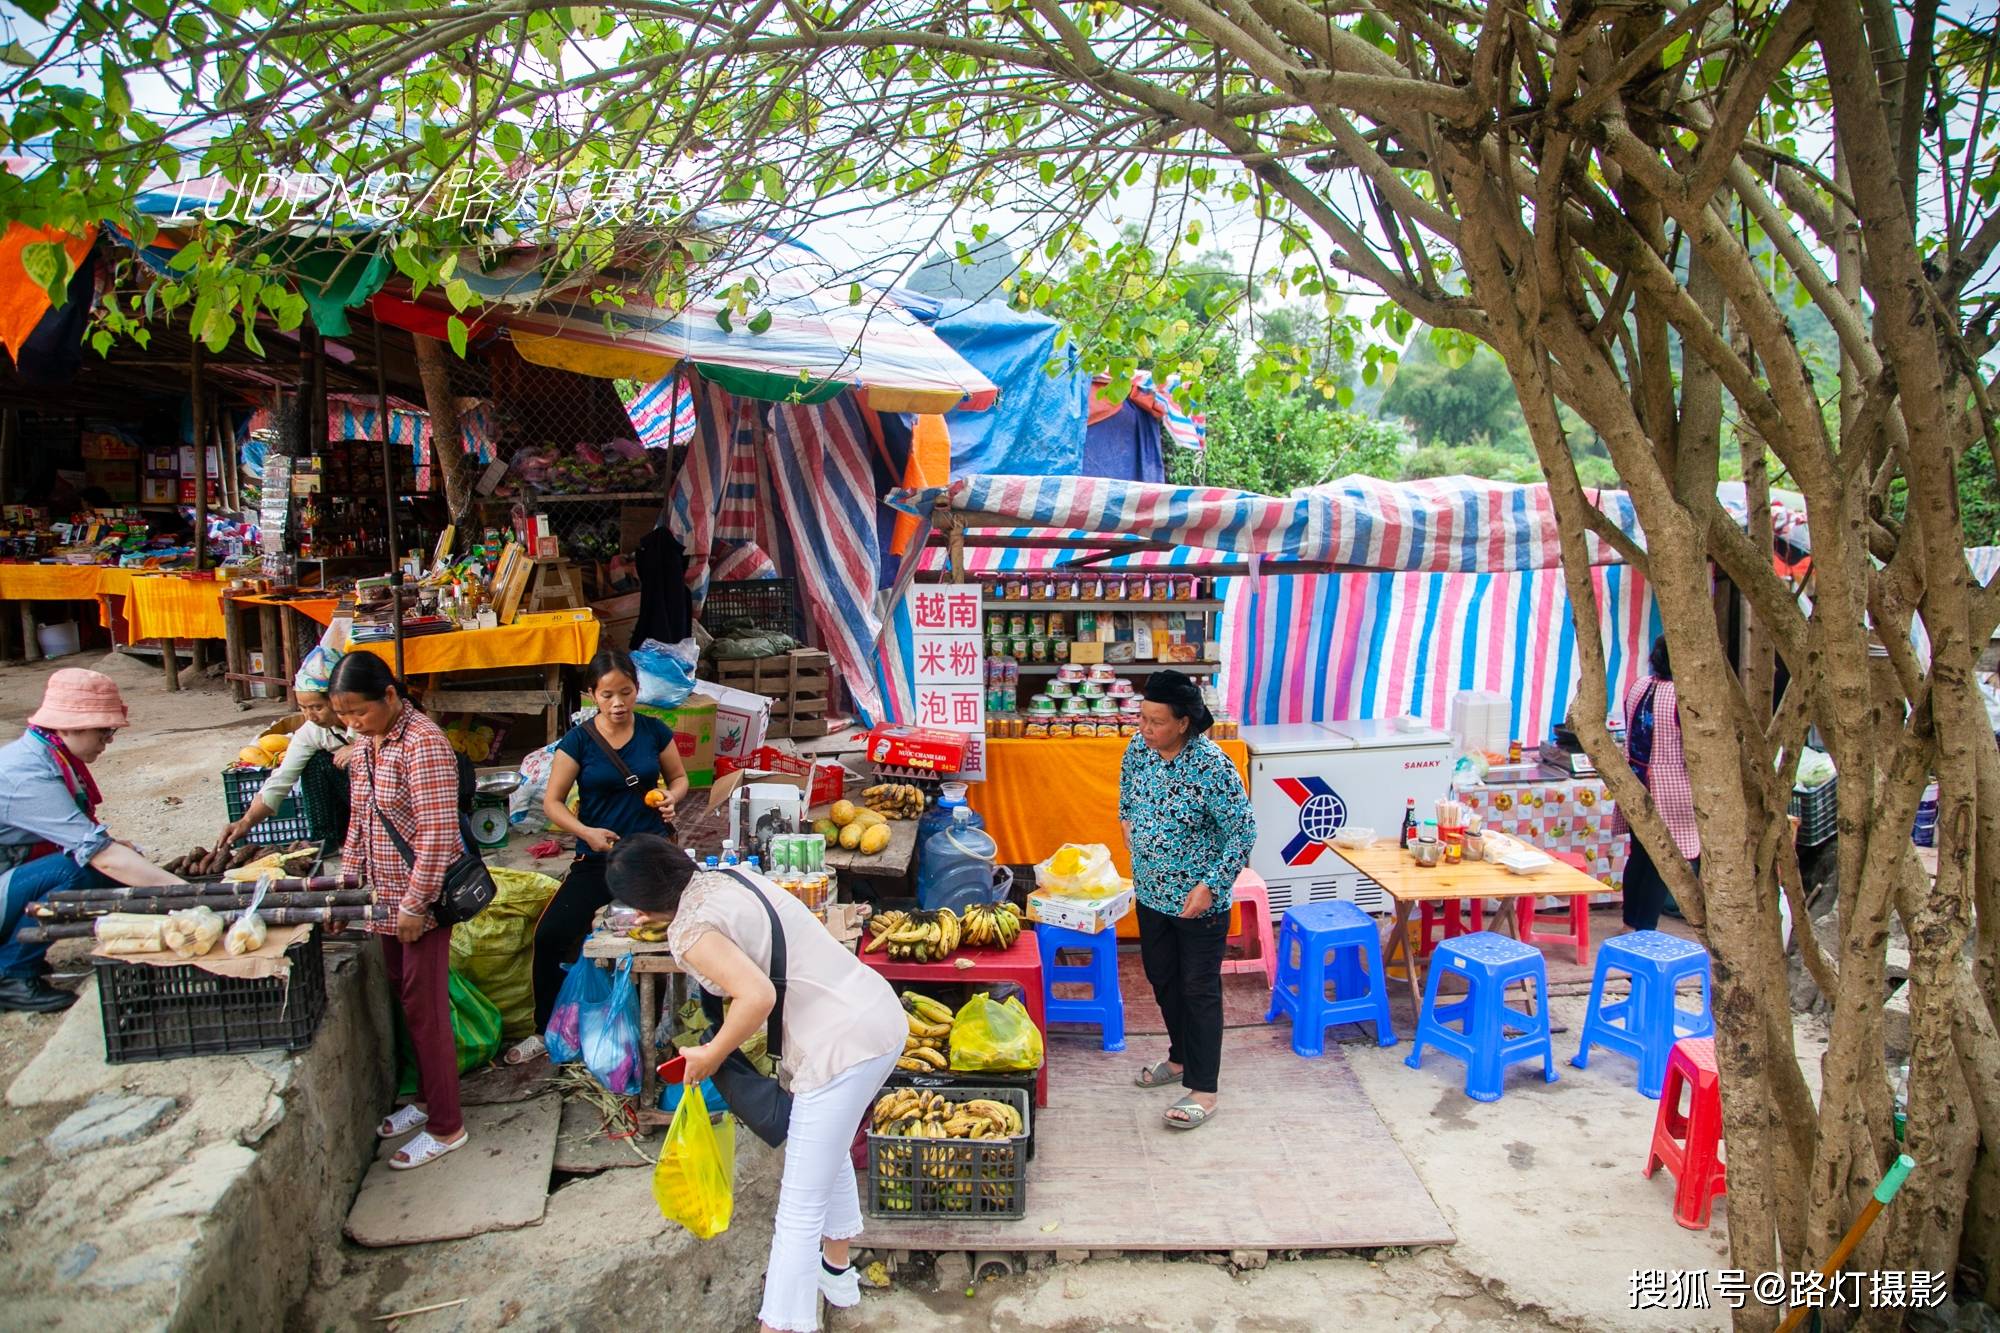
[468,884]
[618,765]
[756,1099]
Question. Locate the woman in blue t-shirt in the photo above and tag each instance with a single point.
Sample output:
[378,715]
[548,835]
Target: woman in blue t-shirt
[611,803]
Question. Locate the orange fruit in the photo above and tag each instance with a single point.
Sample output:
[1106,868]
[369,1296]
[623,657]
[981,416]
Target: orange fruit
[656,798]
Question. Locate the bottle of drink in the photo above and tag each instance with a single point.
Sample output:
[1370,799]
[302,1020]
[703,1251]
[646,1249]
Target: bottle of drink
[729,851]
[713,864]
[1409,821]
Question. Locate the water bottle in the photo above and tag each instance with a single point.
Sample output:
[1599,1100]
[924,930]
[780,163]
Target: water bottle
[951,799]
[956,869]
[1924,832]
[729,851]
[712,864]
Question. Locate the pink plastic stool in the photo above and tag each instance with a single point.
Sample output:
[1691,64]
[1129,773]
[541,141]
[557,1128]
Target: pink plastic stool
[1577,931]
[1253,898]
[1448,913]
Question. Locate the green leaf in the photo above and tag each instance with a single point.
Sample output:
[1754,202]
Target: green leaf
[455,331]
[760,322]
[723,322]
[48,266]
[459,293]
[38,9]
[854,293]
[16,54]
[217,327]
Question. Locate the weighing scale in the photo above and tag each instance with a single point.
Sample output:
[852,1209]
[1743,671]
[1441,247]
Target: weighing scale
[490,820]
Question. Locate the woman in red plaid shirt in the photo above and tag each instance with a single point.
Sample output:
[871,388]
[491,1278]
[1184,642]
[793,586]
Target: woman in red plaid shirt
[1653,748]
[406,774]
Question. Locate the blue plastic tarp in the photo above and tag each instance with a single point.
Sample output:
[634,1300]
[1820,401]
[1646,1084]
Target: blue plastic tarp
[1036,427]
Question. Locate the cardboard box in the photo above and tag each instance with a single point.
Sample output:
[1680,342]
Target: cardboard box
[694,735]
[1088,915]
[923,748]
[741,719]
[1086,654]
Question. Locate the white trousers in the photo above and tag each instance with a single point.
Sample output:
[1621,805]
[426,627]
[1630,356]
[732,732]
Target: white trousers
[817,1197]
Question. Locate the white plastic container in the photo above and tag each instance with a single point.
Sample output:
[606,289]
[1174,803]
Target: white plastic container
[58,640]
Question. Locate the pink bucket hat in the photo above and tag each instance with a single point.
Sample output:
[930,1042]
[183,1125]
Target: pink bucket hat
[77,700]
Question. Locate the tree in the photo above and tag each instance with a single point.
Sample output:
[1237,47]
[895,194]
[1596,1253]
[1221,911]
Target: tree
[1526,177]
[1455,404]
[1274,443]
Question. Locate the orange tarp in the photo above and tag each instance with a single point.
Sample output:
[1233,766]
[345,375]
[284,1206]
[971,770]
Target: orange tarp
[22,302]
[556,637]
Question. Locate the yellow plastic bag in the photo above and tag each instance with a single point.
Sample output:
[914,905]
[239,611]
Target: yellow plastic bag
[695,1182]
[496,949]
[1083,871]
[989,1038]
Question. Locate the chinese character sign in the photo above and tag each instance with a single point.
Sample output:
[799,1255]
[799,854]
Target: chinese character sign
[950,662]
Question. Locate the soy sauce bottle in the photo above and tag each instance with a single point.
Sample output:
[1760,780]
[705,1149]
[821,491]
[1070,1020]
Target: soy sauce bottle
[1409,821]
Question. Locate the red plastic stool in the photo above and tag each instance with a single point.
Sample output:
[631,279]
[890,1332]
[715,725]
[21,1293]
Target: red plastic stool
[1253,899]
[1448,912]
[1578,906]
[1689,1143]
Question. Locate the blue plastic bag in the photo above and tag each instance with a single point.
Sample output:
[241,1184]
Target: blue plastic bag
[666,672]
[585,988]
[611,1035]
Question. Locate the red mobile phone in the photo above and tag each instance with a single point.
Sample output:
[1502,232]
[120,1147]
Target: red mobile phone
[674,1070]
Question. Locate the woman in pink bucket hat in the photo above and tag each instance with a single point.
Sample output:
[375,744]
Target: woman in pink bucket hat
[50,837]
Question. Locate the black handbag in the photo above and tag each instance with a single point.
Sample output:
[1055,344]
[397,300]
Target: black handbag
[754,1098]
[468,884]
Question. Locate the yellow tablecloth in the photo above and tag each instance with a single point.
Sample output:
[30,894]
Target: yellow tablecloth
[66,583]
[169,606]
[561,637]
[1040,794]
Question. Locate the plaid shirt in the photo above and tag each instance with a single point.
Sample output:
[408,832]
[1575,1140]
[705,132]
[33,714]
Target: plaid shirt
[412,775]
[1673,793]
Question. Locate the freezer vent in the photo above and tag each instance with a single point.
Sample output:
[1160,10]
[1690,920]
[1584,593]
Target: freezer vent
[1363,893]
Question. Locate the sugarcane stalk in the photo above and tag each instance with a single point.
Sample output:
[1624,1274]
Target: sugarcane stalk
[80,911]
[283,916]
[137,893]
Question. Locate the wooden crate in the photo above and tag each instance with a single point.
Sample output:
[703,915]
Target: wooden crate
[798,684]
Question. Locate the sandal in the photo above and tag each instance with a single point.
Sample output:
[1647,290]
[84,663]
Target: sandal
[1158,1076]
[402,1121]
[1193,1115]
[423,1150]
[525,1050]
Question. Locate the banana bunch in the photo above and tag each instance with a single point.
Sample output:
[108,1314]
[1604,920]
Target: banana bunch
[895,800]
[913,1113]
[649,934]
[917,937]
[991,925]
[924,1048]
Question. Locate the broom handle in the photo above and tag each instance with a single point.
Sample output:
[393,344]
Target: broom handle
[1898,1172]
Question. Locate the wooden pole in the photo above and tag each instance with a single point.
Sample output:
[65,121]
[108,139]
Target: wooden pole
[284,916]
[199,410]
[1899,1171]
[388,457]
[139,893]
[75,911]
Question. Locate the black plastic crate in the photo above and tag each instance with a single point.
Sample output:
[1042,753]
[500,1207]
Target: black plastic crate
[1818,811]
[765,603]
[165,1013]
[985,1178]
[304,819]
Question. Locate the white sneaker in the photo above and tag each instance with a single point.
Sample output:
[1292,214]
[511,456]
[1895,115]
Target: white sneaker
[843,1289]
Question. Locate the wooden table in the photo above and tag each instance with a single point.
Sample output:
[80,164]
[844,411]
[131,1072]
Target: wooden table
[1021,964]
[892,862]
[650,962]
[1408,883]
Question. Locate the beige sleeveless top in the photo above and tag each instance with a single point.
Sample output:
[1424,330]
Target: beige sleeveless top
[839,1012]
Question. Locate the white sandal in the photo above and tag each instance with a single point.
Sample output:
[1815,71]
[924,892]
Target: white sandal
[402,1121]
[524,1051]
[423,1150]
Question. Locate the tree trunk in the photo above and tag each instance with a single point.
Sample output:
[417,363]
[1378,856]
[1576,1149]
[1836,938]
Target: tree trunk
[447,439]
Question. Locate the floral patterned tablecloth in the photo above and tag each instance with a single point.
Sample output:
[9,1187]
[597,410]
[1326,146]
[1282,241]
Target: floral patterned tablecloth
[1557,815]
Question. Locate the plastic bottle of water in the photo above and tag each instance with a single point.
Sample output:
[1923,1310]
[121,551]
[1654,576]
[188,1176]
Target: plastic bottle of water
[957,866]
[1924,832]
[712,864]
[729,851]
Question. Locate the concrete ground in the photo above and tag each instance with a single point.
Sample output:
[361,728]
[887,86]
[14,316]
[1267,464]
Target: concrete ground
[1542,1188]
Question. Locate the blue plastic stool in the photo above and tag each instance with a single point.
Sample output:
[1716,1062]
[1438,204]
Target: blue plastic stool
[1106,1005]
[1311,935]
[1489,963]
[1646,1024]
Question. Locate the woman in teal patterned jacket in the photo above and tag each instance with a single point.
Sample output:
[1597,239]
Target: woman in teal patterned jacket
[1188,824]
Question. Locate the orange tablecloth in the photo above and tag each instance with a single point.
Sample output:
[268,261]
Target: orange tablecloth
[1040,794]
[317,609]
[169,606]
[557,637]
[66,583]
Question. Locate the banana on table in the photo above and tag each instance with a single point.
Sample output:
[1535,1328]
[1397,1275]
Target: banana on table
[928,937]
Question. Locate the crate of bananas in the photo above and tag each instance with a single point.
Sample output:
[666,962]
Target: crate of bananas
[932,1156]
[926,1049]
[914,937]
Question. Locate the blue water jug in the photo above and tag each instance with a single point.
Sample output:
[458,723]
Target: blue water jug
[956,868]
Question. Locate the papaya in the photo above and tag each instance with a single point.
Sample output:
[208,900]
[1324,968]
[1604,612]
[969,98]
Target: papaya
[869,818]
[874,839]
[827,829]
[843,813]
[253,756]
[274,744]
[850,836]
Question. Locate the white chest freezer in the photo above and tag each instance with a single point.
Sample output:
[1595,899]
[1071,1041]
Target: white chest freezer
[1309,780]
